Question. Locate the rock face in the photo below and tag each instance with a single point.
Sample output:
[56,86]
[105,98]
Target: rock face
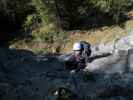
[120,60]
[111,64]
[26,76]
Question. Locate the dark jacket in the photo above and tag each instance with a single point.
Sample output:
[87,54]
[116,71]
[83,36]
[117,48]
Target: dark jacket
[77,63]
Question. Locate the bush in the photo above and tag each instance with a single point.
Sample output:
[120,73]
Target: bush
[44,16]
[114,8]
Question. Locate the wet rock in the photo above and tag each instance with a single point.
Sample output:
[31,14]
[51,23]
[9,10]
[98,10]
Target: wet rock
[130,60]
[25,76]
[111,64]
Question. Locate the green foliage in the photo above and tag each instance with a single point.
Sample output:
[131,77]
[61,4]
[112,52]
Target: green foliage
[50,16]
[28,24]
[40,10]
[112,8]
[15,10]
[50,37]
[44,16]
[54,40]
[59,13]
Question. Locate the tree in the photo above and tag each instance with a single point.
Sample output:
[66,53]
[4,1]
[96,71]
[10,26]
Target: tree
[114,8]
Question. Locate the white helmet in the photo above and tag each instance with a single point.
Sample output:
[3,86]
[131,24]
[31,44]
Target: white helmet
[77,46]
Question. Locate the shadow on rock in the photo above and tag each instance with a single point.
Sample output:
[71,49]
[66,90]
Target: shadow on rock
[26,76]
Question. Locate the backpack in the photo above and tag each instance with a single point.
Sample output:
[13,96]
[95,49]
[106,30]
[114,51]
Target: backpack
[86,49]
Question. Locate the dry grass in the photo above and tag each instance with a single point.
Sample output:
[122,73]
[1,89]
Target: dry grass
[104,35]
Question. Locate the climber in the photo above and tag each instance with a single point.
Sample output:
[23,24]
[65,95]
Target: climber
[78,58]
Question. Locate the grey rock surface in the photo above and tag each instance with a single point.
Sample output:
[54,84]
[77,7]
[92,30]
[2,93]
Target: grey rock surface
[26,76]
[44,78]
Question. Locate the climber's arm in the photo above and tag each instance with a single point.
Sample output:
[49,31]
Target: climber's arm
[90,59]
